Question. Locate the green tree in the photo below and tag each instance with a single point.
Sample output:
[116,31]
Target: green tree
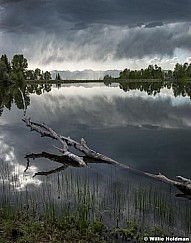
[150,72]
[179,71]
[19,66]
[124,74]
[19,63]
[47,76]
[188,71]
[132,75]
[107,77]
[30,75]
[168,75]
[6,61]
[3,69]
[58,77]
[37,73]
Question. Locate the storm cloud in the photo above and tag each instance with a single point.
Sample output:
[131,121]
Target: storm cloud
[102,30]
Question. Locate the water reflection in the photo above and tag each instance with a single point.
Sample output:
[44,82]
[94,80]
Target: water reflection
[149,133]
[154,88]
[10,94]
[66,163]
[147,127]
[12,172]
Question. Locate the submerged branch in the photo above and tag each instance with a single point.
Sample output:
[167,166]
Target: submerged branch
[63,167]
[81,146]
[48,132]
[70,159]
[184,186]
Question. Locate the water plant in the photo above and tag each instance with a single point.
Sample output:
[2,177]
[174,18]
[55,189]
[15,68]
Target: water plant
[75,206]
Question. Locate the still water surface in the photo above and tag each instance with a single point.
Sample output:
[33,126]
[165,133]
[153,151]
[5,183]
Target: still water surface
[150,133]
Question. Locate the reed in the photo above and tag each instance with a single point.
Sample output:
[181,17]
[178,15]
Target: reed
[72,204]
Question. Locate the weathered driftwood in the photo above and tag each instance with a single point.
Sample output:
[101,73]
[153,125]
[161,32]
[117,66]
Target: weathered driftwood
[81,146]
[91,156]
[70,159]
[48,132]
[184,186]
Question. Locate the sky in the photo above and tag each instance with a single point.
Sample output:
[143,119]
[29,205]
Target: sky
[99,35]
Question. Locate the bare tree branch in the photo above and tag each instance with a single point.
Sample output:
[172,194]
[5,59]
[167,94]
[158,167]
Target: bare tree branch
[63,167]
[45,131]
[91,156]
[48,132]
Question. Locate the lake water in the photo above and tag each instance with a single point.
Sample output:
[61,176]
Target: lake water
[149,131]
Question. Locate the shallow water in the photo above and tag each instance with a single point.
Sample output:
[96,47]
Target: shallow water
[147,132]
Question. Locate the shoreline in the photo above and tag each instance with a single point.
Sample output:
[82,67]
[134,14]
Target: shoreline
[67,81]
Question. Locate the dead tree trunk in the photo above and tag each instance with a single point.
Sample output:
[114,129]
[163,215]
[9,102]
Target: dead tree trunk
[70,159]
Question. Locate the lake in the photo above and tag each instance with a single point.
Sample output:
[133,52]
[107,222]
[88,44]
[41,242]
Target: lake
[147,127]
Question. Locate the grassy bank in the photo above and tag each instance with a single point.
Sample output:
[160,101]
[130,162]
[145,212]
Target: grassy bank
[25,226]
[73,206]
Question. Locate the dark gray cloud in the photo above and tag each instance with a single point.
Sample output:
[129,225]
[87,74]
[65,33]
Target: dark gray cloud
[154,41]
[99,42]
[153,24]
[57,31]
[30,15]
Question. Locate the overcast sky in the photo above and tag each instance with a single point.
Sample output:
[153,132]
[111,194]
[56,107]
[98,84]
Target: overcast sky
[99,34]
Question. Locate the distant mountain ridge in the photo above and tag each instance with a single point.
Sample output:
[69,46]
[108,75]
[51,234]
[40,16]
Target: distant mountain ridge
[85,74]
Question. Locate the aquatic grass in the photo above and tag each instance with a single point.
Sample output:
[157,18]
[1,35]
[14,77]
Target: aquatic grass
[187,219]
[88,206]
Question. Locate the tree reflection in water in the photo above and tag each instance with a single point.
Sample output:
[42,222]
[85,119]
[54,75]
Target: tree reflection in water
[10,94]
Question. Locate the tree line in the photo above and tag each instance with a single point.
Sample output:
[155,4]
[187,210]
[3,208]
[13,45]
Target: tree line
[181,71]
[16,70]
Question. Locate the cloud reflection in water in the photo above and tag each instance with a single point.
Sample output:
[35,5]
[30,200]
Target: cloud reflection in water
[111,107]
[12,172]
[149,133]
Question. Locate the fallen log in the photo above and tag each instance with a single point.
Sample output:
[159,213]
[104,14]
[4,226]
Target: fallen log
[81,146]
[70,159]
[184,186]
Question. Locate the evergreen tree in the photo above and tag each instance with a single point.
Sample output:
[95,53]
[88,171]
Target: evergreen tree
[6,61]
[19,63]
[37,73]
[19,66]
[3,70]
[57,77]
[47,76]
